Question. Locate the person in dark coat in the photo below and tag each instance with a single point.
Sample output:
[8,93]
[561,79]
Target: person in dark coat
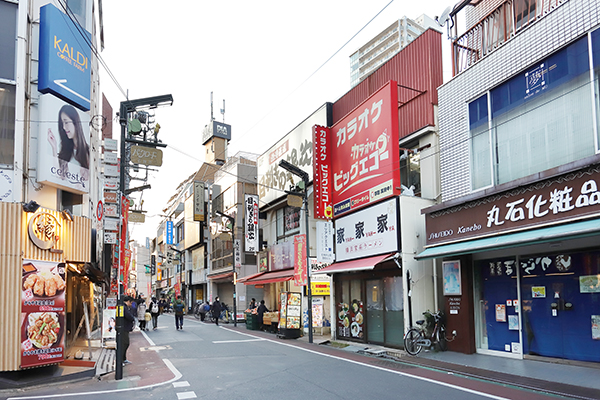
[252,305]
[216,310]
[262,309]
[128,325]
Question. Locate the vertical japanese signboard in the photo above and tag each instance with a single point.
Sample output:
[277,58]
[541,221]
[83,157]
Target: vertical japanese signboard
[251,222]
[169,232]
[360,154]
[42,313]
[325,242]
[300,268]
[198,201]
[322,182]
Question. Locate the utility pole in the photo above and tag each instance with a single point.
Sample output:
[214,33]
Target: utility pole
[125,109]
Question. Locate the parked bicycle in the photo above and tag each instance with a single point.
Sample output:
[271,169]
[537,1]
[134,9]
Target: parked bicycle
[428,332]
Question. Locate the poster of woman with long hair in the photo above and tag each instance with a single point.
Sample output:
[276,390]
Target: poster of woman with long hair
[64,151]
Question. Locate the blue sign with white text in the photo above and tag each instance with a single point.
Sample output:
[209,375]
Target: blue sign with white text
[169,232]
[64,58]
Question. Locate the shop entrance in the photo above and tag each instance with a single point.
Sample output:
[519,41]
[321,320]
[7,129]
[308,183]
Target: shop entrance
[385,311]
[561,306]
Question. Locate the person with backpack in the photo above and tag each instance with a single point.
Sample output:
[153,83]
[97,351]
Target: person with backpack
[154,312]
[179,308]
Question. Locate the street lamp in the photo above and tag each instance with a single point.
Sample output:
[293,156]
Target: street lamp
[232,221]
[304,176]
[126,108]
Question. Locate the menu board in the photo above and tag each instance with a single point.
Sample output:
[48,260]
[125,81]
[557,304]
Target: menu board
[291,311]
[42,313]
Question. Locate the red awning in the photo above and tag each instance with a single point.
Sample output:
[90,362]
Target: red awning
[271,277]
[224,275]
[362,264]
[245,278]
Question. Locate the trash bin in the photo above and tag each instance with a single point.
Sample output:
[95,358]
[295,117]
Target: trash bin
[252,322]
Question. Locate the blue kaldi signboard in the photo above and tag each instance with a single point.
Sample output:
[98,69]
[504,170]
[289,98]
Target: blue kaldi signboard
[65,58]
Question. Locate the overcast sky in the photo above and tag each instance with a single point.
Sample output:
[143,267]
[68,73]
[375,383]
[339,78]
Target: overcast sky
[266,59]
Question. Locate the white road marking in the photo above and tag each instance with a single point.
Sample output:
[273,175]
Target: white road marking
[181,384]
[186,395]
[238,341]
[168,363]
[449,385]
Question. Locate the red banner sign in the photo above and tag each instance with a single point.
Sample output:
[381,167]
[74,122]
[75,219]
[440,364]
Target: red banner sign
[300,271]
[363,153]
[123,236]
[43,327]
[322,181]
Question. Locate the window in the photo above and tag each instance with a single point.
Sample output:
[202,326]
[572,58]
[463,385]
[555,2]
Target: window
[7,123]
[8,36]
[410,170]
[540,119]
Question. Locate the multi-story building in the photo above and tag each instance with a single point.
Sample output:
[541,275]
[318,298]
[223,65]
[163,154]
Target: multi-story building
[386,45]
[517,229]
[49,175]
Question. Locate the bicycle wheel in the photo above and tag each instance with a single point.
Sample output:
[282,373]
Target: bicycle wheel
[440,337]
[410,341]
[197,312]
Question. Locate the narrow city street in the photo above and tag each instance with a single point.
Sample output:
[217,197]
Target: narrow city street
[210,362]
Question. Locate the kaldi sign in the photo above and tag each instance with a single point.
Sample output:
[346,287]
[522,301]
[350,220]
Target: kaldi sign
[559,199]
[361,154]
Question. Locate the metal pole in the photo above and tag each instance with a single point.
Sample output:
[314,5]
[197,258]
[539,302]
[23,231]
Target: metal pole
[308,267]
[120,318]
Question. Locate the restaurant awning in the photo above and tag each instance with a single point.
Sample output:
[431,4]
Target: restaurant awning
[245,278]
[221,276]
[362,264]
[271,277]
[525,238]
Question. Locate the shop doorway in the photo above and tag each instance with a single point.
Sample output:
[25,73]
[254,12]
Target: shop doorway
[385,311]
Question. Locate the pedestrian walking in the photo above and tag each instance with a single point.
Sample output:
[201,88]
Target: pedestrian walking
[216,310]
[179,307]
[154,312]
[127,326]
[141,313]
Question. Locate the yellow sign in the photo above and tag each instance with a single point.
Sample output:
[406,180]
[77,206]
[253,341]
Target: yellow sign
[320,288]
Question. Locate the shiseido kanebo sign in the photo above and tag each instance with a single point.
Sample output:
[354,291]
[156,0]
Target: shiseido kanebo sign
[555,200]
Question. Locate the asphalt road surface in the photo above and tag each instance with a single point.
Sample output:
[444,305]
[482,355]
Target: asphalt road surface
[208,362]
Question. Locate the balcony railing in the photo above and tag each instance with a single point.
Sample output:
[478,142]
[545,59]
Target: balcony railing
[497,28]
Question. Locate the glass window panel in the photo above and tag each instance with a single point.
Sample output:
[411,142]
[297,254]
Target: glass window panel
[8,39]
[7,123]
[394,310]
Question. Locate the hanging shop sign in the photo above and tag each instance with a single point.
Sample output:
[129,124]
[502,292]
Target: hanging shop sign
[199,201]
[43,327]
[146,156]
[237,254]
[137,217]
[325,242]
[251,222]
[555,200]
[111,184]
[360,156]
[169,232]
[368,232]
[110,237]
[300,267]
[111,210]
[110,158]
[43,229]
[281,255]
[64,58]
[111,224]
[323,206]
[111,197]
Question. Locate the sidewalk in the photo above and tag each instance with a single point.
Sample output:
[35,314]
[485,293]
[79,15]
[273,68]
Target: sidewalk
[560,377]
